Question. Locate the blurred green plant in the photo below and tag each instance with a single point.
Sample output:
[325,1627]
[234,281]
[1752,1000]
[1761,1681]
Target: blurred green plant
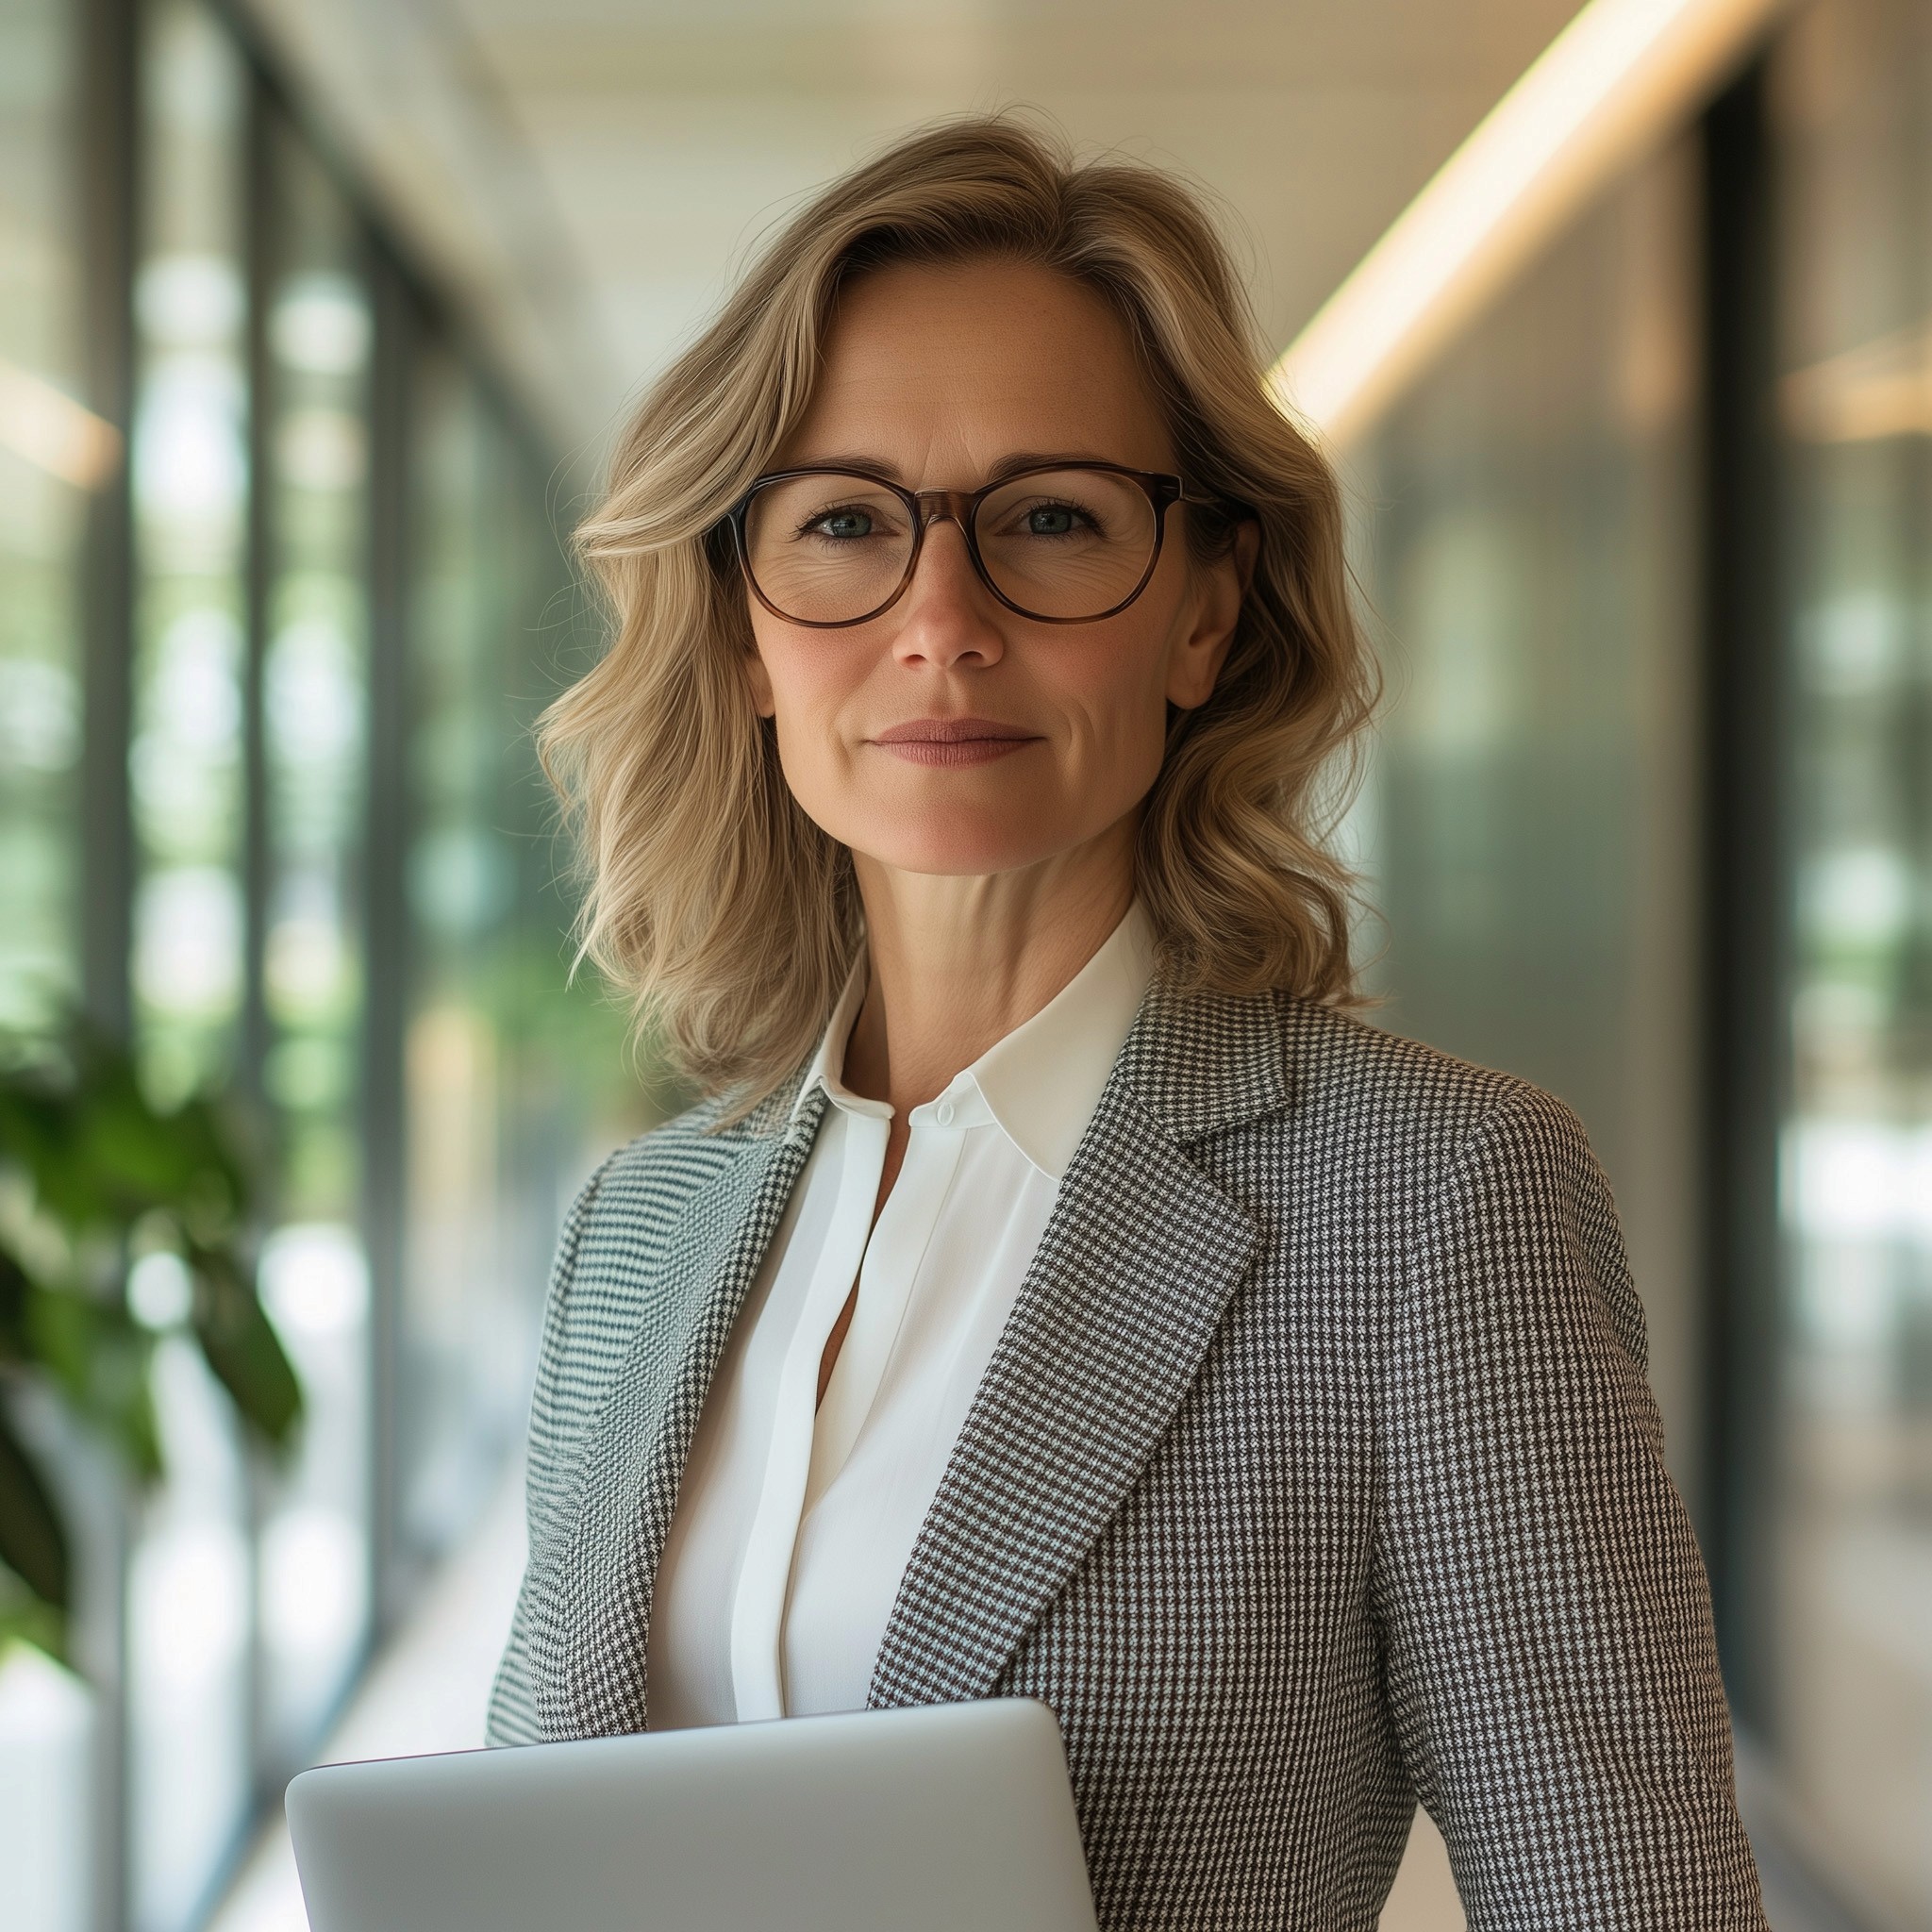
[99,1189]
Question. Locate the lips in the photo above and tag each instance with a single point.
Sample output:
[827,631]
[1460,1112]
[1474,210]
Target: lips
[954,740]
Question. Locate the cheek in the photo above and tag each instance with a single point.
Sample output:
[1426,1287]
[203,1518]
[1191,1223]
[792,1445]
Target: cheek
[1113,691]
[810,684]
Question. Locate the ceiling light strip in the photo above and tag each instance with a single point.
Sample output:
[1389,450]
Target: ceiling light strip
[54,432]
[1617,79]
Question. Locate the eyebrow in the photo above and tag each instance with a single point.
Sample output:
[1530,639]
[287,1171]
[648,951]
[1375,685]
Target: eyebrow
[1009,465]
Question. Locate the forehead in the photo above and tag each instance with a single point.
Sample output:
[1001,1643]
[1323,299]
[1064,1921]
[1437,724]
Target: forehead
[958,365]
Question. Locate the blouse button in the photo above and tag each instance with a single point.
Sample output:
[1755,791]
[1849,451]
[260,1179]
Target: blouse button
[944,1113]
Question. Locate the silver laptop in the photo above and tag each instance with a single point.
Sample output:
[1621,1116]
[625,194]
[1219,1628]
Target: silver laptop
[943,1818]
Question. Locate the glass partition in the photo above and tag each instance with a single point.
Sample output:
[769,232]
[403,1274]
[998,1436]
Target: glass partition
[1850,1627]
[51,453]
[314,1578]
[459,1305]
[190,488]
[509,1081]
[189,1582]
[273,784]
[1530,548]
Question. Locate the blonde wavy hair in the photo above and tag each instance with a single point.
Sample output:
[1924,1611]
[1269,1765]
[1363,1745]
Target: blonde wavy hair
[724,913]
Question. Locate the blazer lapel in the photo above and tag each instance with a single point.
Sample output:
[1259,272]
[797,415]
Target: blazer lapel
[590,1661]
[1130,1281]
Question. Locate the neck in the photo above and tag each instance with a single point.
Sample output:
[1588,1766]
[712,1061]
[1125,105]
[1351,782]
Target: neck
[956,963]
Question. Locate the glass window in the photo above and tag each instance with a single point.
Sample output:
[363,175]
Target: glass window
[1531,823]
[1850,1629]
[514,1086]
[191,502]
[51,452]
[314,1570]
[249,1582]
[189,1586]
[461,879]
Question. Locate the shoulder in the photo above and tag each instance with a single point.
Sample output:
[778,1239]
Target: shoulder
[1356,1142]
[1266,1077]
[1435,1128]
[637,1207]
[642,1187]
[1395,1100]
[1481,1187]
[641,1207]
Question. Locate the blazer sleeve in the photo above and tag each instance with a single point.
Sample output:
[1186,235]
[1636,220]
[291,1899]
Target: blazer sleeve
[513,1717]
[1552,1671]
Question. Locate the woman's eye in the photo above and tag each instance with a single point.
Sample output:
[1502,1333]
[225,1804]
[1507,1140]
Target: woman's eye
[843,524]
[1050,520]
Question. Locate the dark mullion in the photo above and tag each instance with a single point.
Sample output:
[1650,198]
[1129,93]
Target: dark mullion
[258,567]
[1747,971]
[257,582]
[108,117]
[107,135]
[386,926]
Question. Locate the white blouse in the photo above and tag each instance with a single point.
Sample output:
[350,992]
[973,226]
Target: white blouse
[793,1527]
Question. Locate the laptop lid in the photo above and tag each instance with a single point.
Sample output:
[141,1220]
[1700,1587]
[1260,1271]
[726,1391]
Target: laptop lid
[945,1817]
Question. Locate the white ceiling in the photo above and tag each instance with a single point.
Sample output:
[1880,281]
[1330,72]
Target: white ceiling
[587,171]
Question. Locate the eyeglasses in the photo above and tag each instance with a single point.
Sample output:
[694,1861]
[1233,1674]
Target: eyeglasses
[1065,544]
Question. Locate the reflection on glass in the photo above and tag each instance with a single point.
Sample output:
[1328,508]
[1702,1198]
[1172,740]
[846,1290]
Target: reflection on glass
[464,1351]
[1852,1626]
[190,1583]
[44,474]
[514,1086]
[314,1570]
[188,1611]
[49,457]
[1533,565]
[191,493]
[314,1561]
[49,1736]
[248,1587]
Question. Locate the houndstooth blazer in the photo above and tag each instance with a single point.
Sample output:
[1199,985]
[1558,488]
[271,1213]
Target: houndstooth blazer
[1315,1473]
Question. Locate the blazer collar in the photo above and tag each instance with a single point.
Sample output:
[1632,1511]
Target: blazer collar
[684,1290]
[1201,1063]
[1120,1305]
[1133,1275]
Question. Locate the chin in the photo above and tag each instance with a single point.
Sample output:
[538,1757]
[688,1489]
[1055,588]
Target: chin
[959,858]
[960,843]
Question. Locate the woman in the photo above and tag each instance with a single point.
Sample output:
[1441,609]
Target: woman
[1057,1294]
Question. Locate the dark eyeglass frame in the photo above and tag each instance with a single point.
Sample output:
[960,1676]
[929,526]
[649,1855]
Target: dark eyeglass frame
[924,507]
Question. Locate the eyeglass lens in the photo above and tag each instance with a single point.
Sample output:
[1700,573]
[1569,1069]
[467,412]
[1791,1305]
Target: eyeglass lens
[1058,543]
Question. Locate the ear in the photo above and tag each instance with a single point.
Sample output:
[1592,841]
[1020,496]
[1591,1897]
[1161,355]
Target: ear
[1221,588]
[758,682]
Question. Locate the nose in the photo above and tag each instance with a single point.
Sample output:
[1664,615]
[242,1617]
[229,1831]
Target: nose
[947,616]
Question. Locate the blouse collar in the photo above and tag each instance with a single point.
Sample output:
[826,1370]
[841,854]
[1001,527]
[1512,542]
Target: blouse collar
[1040,1083]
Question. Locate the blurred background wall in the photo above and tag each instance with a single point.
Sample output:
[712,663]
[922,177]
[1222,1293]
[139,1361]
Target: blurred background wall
[313,322]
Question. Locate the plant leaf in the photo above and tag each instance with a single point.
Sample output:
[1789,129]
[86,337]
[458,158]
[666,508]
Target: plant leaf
[33,1544]
[15,1289]
[115,1174]
[62,1327]
[98,1357]
[242,1348]
[25,1618]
